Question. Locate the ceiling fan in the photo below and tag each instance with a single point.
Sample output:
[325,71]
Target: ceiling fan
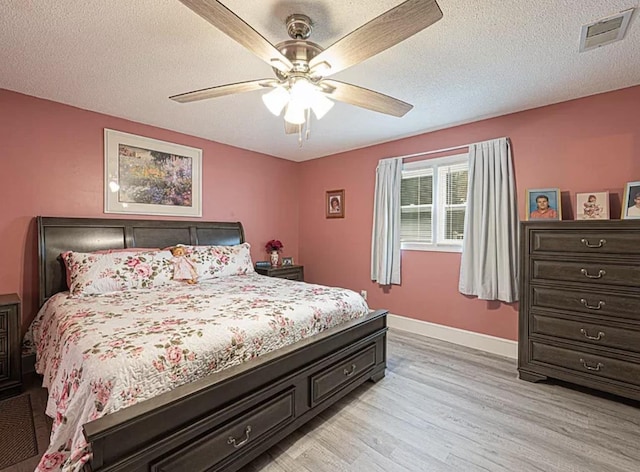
[302,67]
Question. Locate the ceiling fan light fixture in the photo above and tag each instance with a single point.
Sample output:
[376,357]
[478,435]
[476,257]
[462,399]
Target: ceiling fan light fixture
[294,114]
[321,105]
[276,100]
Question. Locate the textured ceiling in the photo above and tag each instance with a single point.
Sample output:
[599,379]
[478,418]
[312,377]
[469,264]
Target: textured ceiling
[484,58]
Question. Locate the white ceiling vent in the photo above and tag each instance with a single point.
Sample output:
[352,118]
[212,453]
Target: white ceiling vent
[605,31]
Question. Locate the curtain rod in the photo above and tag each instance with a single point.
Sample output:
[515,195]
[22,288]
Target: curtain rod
[437,151]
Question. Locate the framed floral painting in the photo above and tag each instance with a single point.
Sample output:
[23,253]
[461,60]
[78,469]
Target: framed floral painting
[334,204]
[146,176]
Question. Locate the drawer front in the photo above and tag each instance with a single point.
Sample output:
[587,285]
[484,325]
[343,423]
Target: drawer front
[291,275]
[592,364]
[330,380]
[234,438]
[592,272]
[4,345]
[592,242]
[4,368]
[593,302]
[595,334]
[4,320]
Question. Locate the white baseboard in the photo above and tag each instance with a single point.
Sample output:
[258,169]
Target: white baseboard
[483,342]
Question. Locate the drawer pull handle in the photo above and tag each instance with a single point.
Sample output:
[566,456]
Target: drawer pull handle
[233,441]
[349,372]
[586,242]
[588,366]
[601,273]
[594,338]
[592,307]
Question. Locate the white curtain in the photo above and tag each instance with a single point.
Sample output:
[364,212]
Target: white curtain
[489,268]
[385,238]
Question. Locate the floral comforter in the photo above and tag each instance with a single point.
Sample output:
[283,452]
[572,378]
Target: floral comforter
[102,353]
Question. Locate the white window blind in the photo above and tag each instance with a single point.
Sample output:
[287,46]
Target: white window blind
[433,203]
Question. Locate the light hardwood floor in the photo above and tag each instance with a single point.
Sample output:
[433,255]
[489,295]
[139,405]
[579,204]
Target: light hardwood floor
[443,407]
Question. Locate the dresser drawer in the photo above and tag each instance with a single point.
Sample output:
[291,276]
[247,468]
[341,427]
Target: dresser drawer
[592,333]
[592,364]
[4,368]
[593,242]
[234,438]
[593,302]
[332,379]
[4,345]
[290,275]
[4,320]
[588,271]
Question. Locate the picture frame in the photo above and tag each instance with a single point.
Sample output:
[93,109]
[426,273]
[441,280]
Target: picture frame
[146,176]
[287,261]
[631,201]
[334,203]
[592,206]
[536,209]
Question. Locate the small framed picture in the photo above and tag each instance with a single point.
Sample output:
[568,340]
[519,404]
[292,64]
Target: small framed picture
[592,206]
[543,204]
[287,261]
[335,204]
[631,201]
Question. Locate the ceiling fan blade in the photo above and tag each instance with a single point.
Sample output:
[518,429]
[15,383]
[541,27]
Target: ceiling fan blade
[379,34]
[222,90]
[290,128]
[236,28]
[365,98]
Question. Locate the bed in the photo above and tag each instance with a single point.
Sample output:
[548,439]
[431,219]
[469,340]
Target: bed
[217,421]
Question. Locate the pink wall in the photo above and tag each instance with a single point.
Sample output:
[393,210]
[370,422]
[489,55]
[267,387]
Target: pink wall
[590,144]
[51,164]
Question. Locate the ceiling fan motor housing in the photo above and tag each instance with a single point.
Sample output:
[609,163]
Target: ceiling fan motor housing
[299,52]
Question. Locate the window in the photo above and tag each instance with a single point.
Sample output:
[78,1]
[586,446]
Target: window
[433,201]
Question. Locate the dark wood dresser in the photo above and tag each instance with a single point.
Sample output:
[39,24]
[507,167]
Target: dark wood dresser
[10,355]
[291,272]
[580,304]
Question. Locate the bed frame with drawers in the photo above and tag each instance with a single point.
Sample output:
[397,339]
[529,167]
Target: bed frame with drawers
[223,421]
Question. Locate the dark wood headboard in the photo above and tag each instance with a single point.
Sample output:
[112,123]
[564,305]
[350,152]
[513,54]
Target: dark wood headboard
[57,235]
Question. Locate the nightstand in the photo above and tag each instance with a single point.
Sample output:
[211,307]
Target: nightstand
[291,272]
[10,354]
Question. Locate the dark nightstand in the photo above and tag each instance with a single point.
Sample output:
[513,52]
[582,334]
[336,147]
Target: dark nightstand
[10,355]
[291,272]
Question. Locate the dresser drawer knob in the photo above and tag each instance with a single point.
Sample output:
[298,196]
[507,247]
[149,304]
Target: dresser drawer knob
[594,338]
[234,442]
[586,242]
[601,273]
[591,366]
[349,372]
[592,307]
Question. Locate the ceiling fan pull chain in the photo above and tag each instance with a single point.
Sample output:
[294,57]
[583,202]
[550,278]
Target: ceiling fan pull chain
[308,124]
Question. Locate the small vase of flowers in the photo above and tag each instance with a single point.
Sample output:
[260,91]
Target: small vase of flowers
[274,247]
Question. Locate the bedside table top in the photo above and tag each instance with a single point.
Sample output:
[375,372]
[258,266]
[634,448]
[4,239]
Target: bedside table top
[9,299]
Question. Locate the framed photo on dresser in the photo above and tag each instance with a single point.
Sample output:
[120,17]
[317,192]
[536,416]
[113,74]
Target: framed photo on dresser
[631,201]
[544,204]
[592,206]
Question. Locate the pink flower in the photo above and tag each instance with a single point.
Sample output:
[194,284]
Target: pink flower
[158,365]
[132,262]
[143,270]
[51,461]
[174,355]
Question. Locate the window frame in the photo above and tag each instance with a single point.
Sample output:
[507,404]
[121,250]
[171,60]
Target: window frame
[436,218]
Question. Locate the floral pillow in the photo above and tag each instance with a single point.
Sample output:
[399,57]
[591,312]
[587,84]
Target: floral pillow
[221,261]
[95,273]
